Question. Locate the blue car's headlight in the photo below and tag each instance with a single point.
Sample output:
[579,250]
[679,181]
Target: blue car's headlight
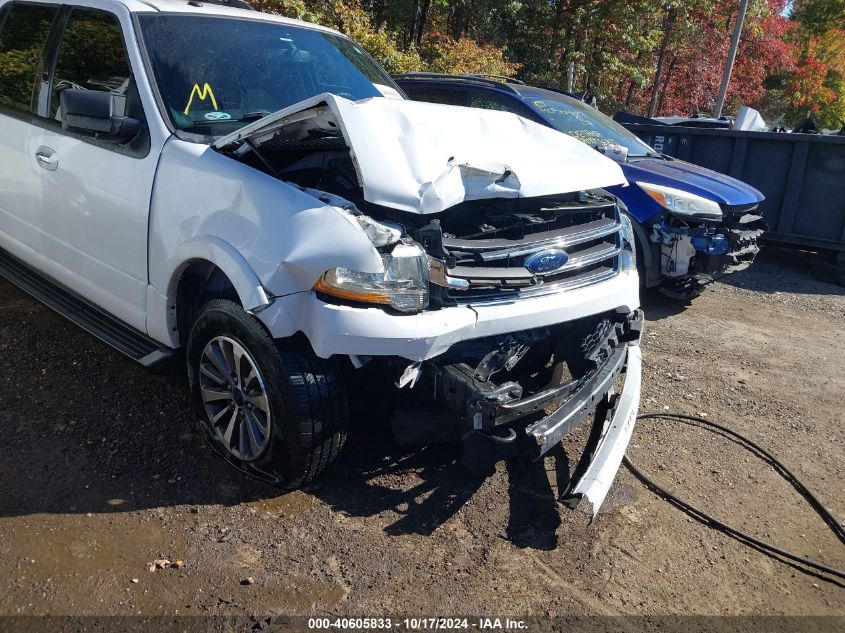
[684,204]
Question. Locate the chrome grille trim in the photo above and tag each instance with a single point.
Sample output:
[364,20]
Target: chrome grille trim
[541,290]
[581,259]
[490,262]
[491,250]
[590,256]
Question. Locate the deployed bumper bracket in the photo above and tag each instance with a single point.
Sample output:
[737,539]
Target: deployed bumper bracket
[492,410]
[552,429]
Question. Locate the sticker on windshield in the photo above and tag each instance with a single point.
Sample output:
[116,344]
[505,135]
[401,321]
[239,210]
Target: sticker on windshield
[217,116]
[616,152]
[202,94]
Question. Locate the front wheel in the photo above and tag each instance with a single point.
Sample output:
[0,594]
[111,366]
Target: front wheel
[273,409]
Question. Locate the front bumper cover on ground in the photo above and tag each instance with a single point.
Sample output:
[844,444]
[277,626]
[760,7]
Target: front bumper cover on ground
[596,481]
[492,415]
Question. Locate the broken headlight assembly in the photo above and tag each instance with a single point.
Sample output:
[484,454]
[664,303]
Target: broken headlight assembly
[682,203]
[402,286]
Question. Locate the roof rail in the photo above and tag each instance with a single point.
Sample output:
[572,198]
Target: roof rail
[235,4]
[423,75]
[560,90]
[476,79]
[508,80]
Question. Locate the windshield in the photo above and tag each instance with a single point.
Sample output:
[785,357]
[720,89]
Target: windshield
[216,74]
[587,124]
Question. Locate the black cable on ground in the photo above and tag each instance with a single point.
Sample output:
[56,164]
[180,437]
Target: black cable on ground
[779,467]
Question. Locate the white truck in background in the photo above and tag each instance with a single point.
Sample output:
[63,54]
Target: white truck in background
[253,197]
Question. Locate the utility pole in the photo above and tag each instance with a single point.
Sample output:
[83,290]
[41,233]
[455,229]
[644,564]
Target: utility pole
[729,65]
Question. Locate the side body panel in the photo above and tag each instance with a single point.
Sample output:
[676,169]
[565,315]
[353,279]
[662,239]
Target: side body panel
[93,225]
[21,194]
[641,206]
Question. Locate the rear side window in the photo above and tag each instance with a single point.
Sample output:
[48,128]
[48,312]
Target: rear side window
[21,43]
[433,95]
[92,56]
[468,97]
[493,101]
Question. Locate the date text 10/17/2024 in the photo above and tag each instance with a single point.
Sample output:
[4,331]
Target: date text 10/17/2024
[418,624]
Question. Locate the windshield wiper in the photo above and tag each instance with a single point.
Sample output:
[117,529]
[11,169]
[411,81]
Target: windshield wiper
[249,117]
[650,155]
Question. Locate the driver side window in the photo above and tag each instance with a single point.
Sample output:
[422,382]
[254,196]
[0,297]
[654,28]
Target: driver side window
[92,56]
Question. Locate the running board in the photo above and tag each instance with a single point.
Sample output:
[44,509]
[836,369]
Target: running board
[123,338]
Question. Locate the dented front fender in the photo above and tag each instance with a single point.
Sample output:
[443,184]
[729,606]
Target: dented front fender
[287,237]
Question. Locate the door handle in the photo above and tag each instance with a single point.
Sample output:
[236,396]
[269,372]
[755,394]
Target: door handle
[47,158]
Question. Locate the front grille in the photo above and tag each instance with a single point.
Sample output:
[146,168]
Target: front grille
[489,242]
[743,229]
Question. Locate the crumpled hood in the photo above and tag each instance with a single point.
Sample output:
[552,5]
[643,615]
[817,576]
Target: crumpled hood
[693,178]
[425,157]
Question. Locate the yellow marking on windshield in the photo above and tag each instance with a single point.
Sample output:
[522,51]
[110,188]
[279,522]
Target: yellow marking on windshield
[202,93]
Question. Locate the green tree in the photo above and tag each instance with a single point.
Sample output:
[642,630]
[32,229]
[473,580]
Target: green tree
[818,84]
[658,56]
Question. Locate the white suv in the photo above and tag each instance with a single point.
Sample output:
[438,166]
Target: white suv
[253,196]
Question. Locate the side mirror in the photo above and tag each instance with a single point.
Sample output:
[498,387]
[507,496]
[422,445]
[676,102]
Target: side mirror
[91,112]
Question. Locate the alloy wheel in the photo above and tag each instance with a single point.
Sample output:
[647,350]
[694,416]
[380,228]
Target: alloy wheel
[235,398]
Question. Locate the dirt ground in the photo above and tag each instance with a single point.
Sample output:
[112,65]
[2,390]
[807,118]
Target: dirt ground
[102,471]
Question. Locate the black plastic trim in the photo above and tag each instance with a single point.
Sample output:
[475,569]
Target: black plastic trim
[109,329]
[471,80]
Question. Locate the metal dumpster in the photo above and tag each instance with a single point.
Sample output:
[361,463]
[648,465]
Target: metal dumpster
[801,175]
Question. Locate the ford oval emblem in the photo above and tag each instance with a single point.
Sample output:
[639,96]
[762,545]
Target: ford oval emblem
[547,261]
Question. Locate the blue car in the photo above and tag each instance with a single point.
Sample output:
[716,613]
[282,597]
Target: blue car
[691,223]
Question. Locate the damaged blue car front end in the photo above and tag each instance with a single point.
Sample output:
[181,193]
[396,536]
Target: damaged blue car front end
[692,224]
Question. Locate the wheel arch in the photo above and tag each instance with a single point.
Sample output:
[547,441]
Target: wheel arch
[212,268]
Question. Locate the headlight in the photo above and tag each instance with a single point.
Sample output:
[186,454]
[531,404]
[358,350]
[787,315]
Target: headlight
[403,285]
[683,203]
[628,256]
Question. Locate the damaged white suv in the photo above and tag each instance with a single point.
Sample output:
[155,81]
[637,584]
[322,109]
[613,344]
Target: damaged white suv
[255,193]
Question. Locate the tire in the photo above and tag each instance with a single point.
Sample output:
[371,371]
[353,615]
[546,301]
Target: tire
[291,404]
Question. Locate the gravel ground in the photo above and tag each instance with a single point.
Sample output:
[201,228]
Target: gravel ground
[102,472]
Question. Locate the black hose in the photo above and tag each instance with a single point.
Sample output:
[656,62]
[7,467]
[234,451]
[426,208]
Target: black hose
[708,520]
